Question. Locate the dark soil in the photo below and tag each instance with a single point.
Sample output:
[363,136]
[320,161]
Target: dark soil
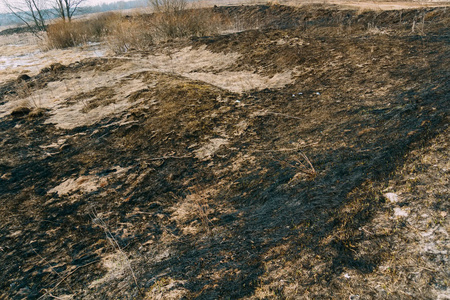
[19,29]
[368,92]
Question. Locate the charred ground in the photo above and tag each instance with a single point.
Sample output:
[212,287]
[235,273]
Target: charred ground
[205,192]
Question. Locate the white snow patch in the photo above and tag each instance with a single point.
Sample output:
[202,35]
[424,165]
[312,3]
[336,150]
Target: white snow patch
[22,53]
[398,212]
[392,197]
[431,248]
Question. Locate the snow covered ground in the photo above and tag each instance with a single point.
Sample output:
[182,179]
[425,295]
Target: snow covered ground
[25,54]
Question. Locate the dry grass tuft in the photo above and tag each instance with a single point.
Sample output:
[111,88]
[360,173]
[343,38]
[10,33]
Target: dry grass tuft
[185,23]
[127,34]
[200,199]
[171,20]
[62,34]
[140,32]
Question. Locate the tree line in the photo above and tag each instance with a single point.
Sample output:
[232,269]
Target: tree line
[36,13]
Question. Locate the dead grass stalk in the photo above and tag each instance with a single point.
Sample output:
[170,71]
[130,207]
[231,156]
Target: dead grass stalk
[113,242]
[200,200]
[171,19]
[302,164]
[62,34]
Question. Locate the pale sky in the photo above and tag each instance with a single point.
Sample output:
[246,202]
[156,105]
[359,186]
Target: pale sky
[86,3]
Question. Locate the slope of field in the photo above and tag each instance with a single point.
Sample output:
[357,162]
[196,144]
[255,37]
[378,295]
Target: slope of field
[304,158]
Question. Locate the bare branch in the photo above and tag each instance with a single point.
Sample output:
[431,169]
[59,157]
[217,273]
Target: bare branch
[30,12]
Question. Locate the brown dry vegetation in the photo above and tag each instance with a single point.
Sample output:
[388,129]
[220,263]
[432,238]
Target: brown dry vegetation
[62,34]
[124,32]
[208,193]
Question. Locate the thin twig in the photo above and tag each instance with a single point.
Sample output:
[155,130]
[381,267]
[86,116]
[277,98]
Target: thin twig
[308,170]
[67,276]
[309,162]
[51,267]
[202,206]
[114,243]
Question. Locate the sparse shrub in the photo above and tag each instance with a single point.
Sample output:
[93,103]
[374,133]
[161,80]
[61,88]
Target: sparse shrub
[99,26]
[139,32]
[127,34]
[68,34]
[185,23]
[168,6]
[63,35]
[170,19]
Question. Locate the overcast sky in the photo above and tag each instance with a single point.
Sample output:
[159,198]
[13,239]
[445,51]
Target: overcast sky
[86,3]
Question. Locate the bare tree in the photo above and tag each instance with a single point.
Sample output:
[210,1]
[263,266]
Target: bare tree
[33,13]
[168,6]
[65,9]
[30,12]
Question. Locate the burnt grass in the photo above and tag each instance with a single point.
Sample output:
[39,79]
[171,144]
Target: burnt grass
[367,91]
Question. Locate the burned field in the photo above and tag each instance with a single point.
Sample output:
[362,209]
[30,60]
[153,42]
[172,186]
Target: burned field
[308,158]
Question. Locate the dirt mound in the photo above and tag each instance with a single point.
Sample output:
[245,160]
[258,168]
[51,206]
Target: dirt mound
[319,15]
[142,182]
